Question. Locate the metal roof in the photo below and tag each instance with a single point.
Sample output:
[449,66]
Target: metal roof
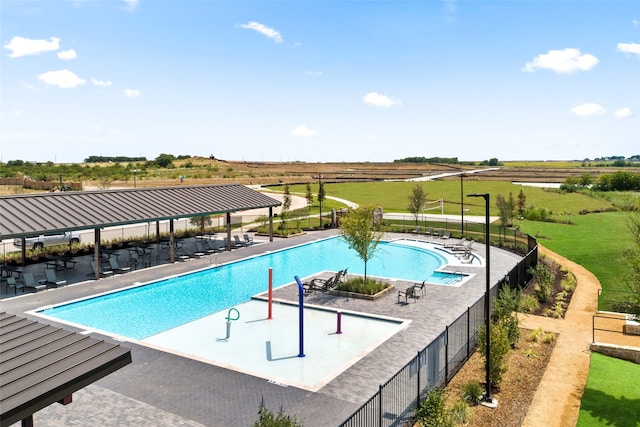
[42,364]
[44,213]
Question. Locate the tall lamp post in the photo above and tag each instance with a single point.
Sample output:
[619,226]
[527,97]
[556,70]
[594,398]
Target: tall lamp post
[462,203]
[320,197]
[487,301]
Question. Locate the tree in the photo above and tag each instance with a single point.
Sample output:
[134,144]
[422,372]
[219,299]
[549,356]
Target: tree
[417,200]
[309,196]
[505,208]
[164,160]
[362,233]
[522,204]
[286,205]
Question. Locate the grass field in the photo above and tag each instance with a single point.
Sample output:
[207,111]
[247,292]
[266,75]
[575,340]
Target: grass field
[612,395]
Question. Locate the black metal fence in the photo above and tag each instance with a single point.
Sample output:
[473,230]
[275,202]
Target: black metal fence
[395,401]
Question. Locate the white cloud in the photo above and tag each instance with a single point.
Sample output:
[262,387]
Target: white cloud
[67,54]
[132,93]
[131,4]
[588,109]
[62,79]
[264,30]
[304,132]
[97,82]
[19,46]
[450,5]
[313,73]
[623,113]
[379,100]
[629,48]
[565,61]
[635,22]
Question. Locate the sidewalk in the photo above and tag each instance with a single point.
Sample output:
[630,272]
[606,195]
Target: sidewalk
[557,399]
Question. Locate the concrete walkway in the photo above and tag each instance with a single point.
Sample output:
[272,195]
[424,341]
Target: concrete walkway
[557,399]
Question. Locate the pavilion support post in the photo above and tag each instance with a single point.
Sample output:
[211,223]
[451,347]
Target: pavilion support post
[96,252]
[158,232]
[228,231]
[172,243]
[23,252]
[270,224]
[27,422]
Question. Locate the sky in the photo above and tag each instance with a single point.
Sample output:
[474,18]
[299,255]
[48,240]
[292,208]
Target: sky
[319,81]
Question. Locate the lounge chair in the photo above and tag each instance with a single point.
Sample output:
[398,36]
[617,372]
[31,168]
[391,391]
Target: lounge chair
[12,283]
[248,240]
[200,248]
[321,285]
[103,273]
[239,243]
[30,282]
[52,280]
[444,234]
[342,274]
[429,231]
[409,293]
[115,267]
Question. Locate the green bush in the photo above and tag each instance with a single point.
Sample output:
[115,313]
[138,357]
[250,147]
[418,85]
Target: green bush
[500,347]
[357,285]
[472,392]
[266,418]
[529,304]
[459,413]
[432,411]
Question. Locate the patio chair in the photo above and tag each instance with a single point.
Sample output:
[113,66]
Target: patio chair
[409,293]
[12,283]
[248,240]
[239,243]
[429,231]
[200,248]
[419,287]
[30,282]
[103,273]
[318,284]
[444,234]
[115,267]
[52,280]
[341,276]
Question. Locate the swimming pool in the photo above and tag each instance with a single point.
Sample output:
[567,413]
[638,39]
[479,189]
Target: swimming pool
[146,310]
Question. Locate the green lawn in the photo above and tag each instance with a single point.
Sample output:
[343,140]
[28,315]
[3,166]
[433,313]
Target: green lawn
[595,241]
[612,395]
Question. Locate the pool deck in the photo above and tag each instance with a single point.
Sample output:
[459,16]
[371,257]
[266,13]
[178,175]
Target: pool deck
[164,389]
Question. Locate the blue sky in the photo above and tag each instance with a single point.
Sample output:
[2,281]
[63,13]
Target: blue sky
[319,80]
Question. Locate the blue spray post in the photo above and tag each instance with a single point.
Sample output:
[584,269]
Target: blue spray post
[300,315]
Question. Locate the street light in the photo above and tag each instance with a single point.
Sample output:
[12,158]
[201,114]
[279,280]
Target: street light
[320,197]
[462,175]
[134,178]
[487,301]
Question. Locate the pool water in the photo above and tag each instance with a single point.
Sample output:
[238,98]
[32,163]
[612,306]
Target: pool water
[149,309]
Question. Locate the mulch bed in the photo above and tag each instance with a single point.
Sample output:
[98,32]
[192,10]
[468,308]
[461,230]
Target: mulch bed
[518,386]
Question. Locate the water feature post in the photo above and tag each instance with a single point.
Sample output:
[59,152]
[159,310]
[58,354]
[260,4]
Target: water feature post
[300,316]
[339,329]
[270,316]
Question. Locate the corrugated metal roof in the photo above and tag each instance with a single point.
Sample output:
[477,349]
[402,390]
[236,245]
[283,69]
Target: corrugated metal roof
[34,214]
[41,364]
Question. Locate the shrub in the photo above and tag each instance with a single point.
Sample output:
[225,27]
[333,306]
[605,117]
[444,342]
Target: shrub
[432,411]
[472,392]
[536,335]
[512,327]
[357,285]
[266,418]
[459,412]
[500,347]
[548,338]
[507,302]
[529,304]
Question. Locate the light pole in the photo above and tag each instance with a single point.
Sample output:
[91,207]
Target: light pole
[320,197]
[462,204]
[487,300]
[134,178]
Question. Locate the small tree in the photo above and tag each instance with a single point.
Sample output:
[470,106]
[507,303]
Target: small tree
[417,200]
[286,205]
[309,197]
[321,197]
[500,347]
[362,233]
[505,208]
[522,204]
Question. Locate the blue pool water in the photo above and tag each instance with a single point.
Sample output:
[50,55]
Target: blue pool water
[155,307]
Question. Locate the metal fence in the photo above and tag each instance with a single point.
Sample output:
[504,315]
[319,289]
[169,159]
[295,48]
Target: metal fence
[395,401]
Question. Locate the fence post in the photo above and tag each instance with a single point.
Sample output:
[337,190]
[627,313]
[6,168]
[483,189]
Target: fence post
[418,397]
[468,329]
[446,354]
[380,405]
